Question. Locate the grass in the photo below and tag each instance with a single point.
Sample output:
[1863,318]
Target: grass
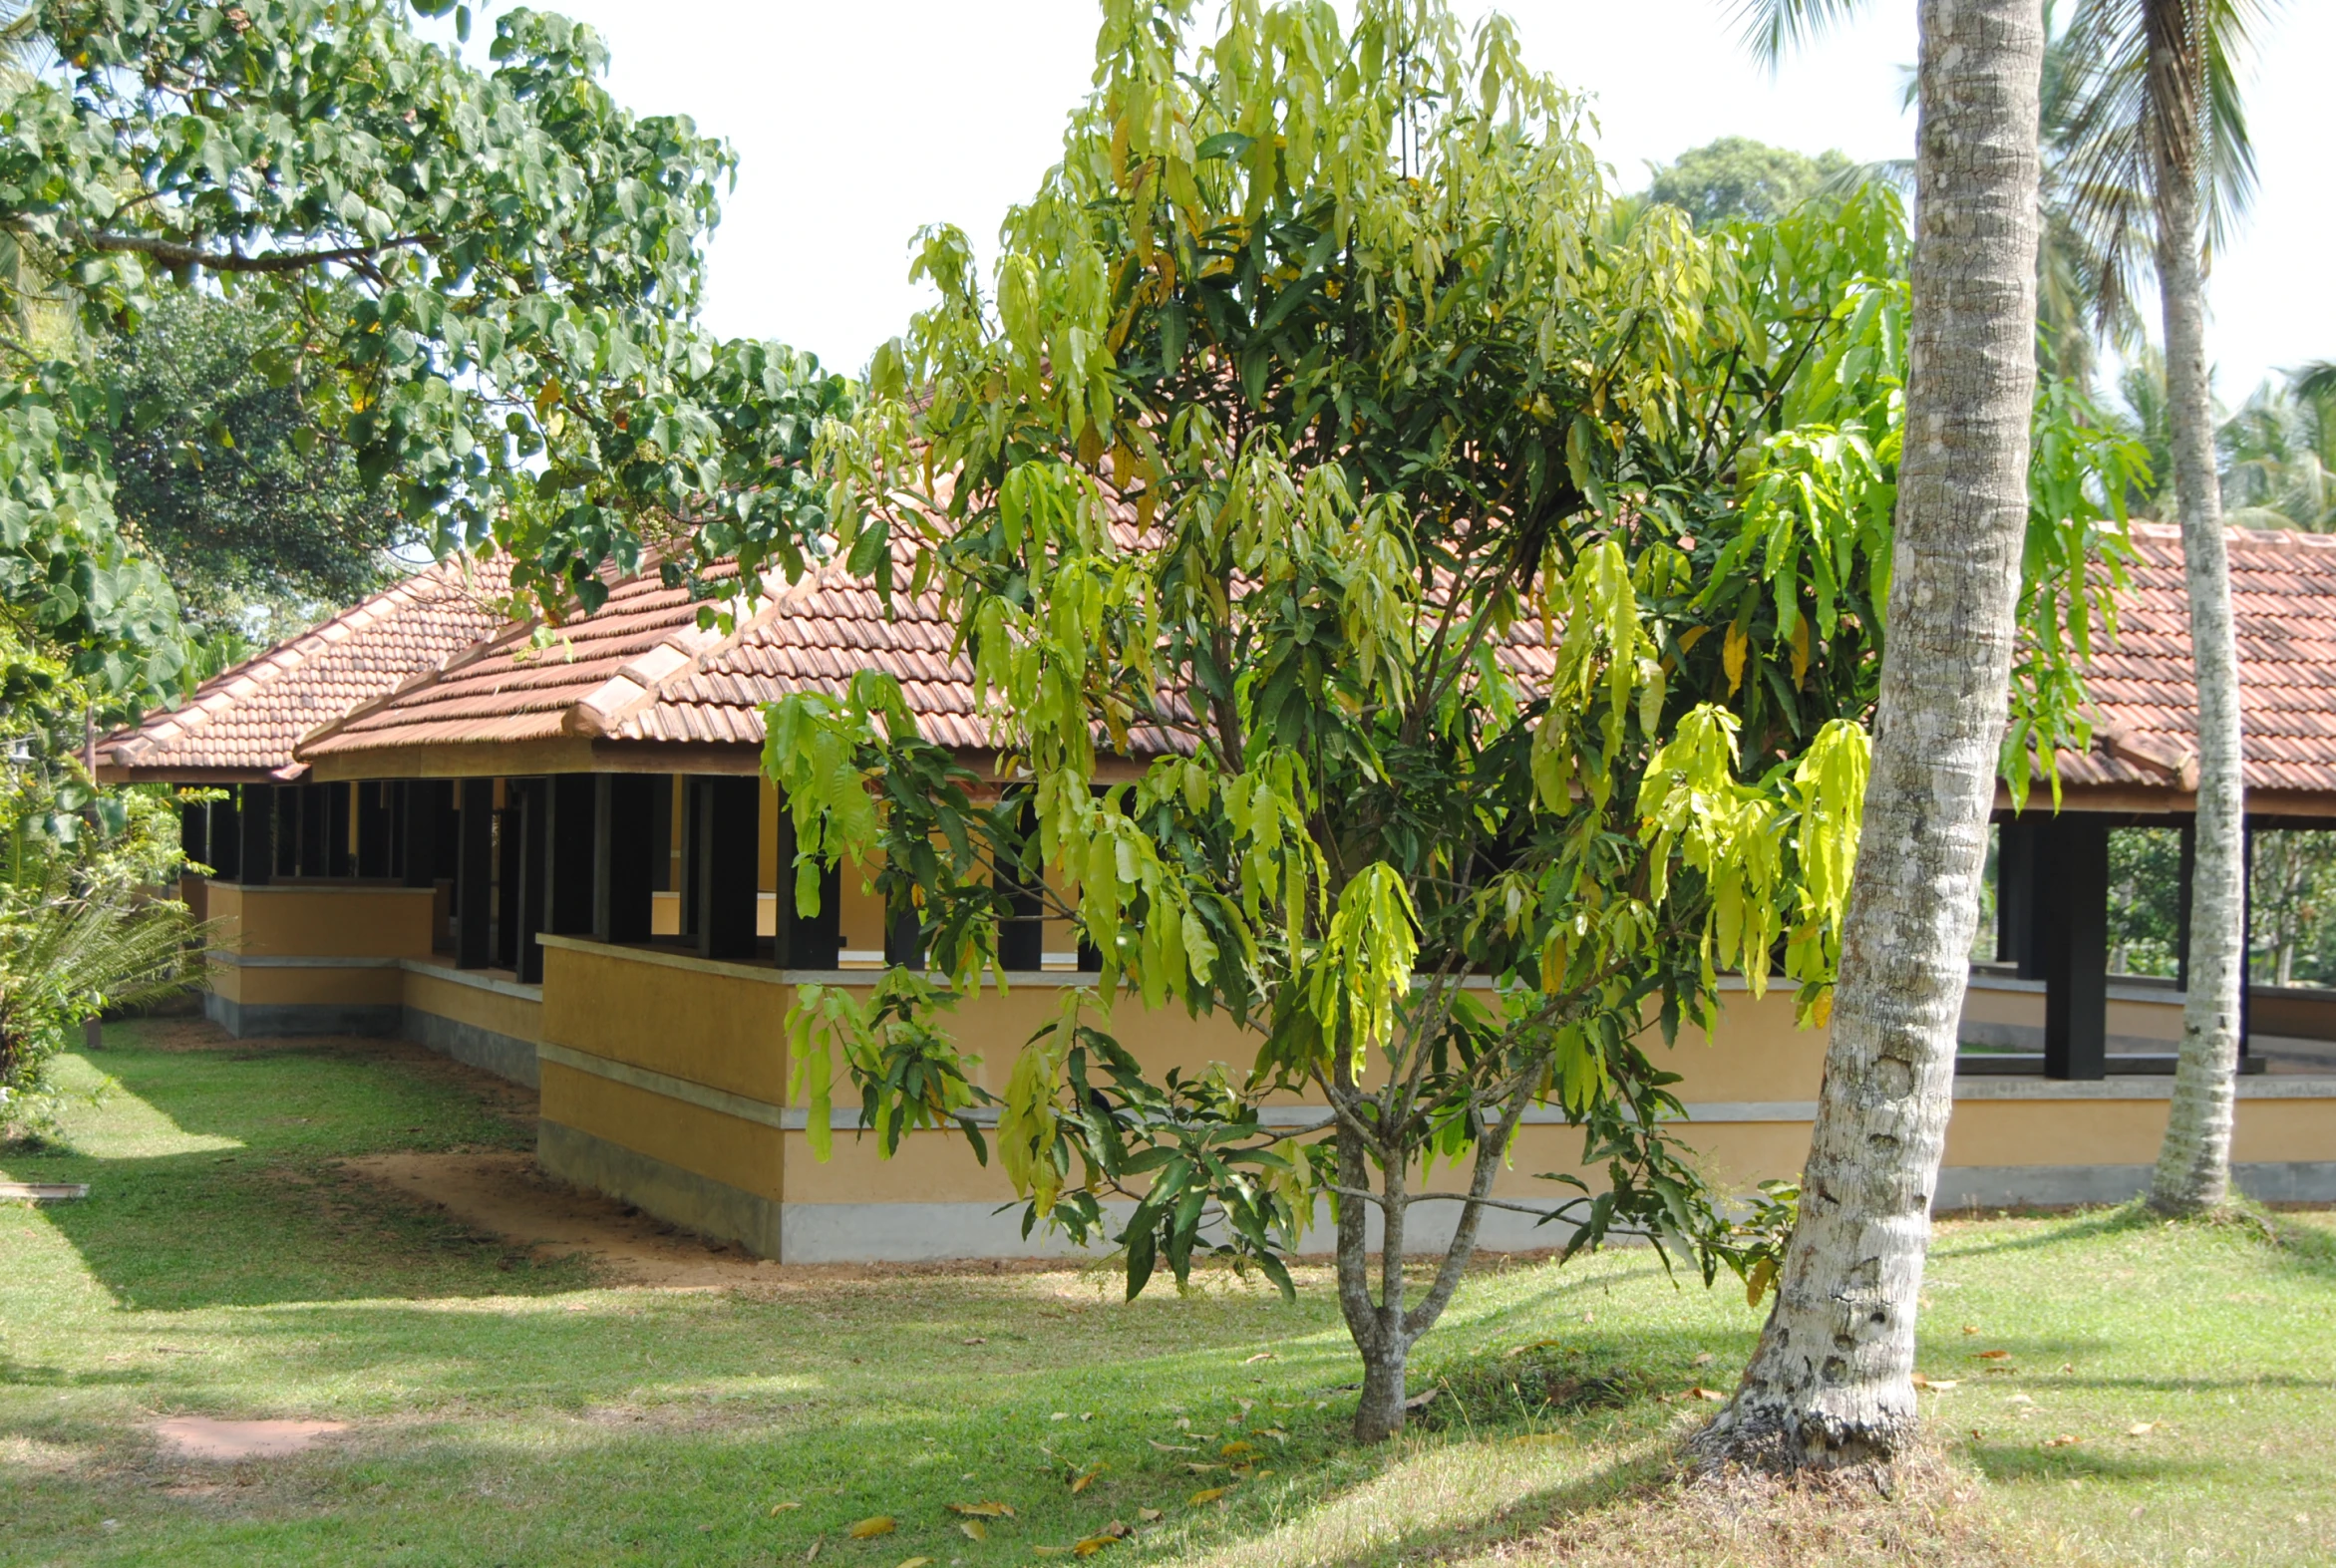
[507,1410]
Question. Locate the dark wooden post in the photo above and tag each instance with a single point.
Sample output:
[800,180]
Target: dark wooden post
[665,857]
[813,941]
[255,829]
[2015,897]
[534,878]
[421,805]
[2246,937]
[195,832]
[730,809]
[692,829]
[569,812]
[286,856]
[2182,908]
[475,875]
[2073,906]
[628,841]
[1022,939]
[506,877]
[373,829]
[905,940]
[227,836]
[339,820]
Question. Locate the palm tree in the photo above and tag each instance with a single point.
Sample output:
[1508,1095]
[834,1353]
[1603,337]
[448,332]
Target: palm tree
[1831,1381]
[2157,107]
[2278,456]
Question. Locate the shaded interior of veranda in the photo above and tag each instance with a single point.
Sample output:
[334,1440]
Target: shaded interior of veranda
[562,864]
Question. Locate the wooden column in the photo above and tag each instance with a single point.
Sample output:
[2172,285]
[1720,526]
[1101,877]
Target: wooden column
[286,858]
[686,865]
[421,806]
[811,941]
[534,876]
[2182,909]
[628,842]
[2246,938]
[2016,929]
[1022,939]
[2072,909]
[195,832]
[340,828]
[506,877]
[474,874]
[569,812]
[226,837]
[730,809]
[373,829]
[255,829]
[665,857]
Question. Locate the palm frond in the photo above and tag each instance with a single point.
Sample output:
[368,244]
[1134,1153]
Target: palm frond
[1773,29]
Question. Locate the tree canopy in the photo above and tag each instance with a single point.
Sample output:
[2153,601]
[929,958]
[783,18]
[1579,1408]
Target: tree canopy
[1739,177]
[495,274]
[1502,569]
[223,480]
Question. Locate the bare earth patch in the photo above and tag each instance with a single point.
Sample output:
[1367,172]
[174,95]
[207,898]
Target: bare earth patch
[201,1438]
[504,1194]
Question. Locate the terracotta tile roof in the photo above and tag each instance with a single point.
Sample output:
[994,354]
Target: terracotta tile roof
[243,723]
[639,668]
[2283,599]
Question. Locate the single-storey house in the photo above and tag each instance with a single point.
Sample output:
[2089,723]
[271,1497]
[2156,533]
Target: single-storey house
[612,928]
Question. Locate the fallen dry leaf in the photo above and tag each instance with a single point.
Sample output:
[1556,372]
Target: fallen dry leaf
[1261,1355]
[1084,1479]
[1199,1469]
[779,1508]
[1713,1394]
[1236,1451]
[1150,1516]
[973,1529]
[916,1562]
[1934,1385]
[814,1553]
[1704,1359]
[982,1510]
[1990,1355]
[978,1340]
[1208,1495]
[2062,1441]
[1537,1345]
[1092,1545]
[2141,1428]
[870,1529]
[1052,1552]
[1172,1447]
[1970,1328]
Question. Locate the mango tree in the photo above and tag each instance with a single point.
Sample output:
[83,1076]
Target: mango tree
[1491,573]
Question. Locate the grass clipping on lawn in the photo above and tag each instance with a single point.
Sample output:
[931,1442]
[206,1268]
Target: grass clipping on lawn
[1935,1514]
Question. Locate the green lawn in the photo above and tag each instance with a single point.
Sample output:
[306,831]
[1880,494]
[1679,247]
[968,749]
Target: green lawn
[512,1411]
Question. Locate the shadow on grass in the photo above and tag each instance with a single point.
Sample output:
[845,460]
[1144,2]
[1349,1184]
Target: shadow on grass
[2008,1463]
[245,1206]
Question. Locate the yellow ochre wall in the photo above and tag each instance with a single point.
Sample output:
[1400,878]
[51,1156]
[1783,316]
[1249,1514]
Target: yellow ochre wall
[672,1071]
[277,941]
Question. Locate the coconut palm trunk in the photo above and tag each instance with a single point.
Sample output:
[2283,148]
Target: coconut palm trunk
[2193,1165]
[1830,1384]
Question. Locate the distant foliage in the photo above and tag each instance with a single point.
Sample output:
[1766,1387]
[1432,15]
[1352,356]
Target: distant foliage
[225,480]
[1738,177]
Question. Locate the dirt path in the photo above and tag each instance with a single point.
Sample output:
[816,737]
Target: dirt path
[505,1195]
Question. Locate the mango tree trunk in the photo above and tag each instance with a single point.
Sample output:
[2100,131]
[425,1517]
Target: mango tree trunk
[2193,1165]
[1829,1383]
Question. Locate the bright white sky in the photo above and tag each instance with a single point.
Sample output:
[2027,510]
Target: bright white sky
[858,123]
